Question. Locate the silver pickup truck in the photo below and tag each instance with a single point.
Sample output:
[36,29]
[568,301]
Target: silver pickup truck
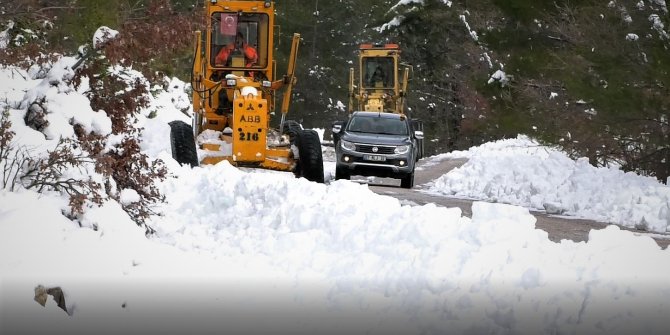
[376,144]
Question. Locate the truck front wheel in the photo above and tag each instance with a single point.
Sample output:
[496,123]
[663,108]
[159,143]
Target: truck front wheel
[407,181]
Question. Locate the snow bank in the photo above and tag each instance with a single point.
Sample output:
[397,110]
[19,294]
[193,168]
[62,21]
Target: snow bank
[522,172]
[168,102]
[63,105]
[407,269]
[264,252]
[15,82]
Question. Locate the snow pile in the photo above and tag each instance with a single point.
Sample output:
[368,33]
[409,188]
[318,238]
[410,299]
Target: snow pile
[632,37]
[15,82]
[66,106]
[103,35]
[103,272]
[500,77]
[168,102]
[522,172]
[396,21]
[264,252]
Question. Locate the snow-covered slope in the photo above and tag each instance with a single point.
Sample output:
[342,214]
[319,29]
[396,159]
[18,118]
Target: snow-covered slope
[250,251]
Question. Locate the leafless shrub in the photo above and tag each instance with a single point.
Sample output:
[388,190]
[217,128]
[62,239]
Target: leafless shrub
[21,167]
[50,173]
[11,160]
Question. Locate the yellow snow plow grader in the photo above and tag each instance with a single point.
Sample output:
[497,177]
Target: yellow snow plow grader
[380,87]
[234,90]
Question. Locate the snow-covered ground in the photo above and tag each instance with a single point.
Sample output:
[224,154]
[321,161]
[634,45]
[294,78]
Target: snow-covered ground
[250,251]
[522,172]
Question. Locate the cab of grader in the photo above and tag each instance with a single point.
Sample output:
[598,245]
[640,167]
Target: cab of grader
[234,89]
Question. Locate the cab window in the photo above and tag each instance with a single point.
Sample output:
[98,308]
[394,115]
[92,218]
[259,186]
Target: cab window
[378,72]
[239,40]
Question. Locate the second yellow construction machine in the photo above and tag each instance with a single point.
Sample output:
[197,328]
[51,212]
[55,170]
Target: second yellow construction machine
[234,89]
[381,86]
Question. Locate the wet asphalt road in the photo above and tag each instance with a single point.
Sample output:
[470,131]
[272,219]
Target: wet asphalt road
[558,228]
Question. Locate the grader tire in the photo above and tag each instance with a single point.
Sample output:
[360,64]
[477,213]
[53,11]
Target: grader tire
[183,143]
[310,161]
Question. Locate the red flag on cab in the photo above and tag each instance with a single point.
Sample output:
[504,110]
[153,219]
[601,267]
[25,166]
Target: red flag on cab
[228,24]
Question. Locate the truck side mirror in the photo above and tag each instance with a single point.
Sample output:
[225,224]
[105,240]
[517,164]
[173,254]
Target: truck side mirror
[337,129]
[418,134]
[337,126]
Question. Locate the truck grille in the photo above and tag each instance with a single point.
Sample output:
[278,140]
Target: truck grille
[368,149]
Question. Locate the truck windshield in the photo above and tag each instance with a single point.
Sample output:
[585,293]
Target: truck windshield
[378,125]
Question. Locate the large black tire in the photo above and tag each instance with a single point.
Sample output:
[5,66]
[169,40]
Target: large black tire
[310,160]
[407,181]
[342,173]
[183,143]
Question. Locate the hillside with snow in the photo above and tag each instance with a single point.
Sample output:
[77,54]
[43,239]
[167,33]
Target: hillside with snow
[250,251]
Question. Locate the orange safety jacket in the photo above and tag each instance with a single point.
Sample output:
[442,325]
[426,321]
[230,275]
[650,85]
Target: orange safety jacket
[250,55]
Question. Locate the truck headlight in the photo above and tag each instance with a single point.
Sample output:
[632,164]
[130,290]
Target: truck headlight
[401,149]
[347,145]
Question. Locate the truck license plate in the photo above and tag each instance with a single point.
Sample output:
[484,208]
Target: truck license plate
[375,158]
